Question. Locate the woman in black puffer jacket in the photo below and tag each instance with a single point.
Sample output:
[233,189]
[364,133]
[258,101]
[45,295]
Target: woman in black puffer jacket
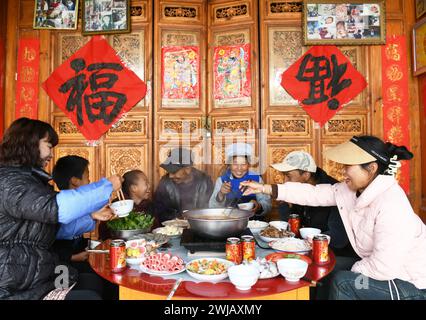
[30,210]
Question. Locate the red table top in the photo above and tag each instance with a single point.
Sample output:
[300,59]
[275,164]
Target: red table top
[136,280]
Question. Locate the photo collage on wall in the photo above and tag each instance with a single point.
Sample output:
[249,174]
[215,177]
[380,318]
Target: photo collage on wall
[343,21]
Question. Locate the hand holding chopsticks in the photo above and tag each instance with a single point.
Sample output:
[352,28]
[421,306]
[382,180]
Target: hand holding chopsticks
[116,181]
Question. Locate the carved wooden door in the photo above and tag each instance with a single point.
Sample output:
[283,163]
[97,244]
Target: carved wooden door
[127,145]
[288,126]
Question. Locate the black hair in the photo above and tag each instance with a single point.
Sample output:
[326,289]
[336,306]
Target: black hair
[130,179]
[68,167]
[387,150]
[21,142]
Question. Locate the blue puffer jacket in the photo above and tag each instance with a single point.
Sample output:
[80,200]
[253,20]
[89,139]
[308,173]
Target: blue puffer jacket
[29,215]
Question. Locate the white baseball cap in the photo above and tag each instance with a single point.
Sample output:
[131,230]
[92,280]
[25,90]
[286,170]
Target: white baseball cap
[296,160]
[238,149]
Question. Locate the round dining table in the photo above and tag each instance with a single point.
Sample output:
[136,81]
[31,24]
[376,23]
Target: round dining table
[136,285]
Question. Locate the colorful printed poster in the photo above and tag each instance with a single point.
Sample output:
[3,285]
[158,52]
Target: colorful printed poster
[27,81]
[180,76]
[232,76]
[94,88]
[396,116]
[323,80]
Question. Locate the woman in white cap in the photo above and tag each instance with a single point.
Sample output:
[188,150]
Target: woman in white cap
[379,220]
[227,188]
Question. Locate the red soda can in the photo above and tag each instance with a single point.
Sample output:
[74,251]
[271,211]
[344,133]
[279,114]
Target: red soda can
[320,249]
[294,223]
[249,248]
[117,255]
[234,250]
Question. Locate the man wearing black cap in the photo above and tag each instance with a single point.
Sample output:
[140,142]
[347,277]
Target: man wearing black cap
[182,188]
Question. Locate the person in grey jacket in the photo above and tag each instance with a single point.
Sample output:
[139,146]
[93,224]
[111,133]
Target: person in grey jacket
[227,188]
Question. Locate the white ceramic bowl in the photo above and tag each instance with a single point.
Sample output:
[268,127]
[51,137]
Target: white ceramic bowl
[135,261]
[292,269]
[243,277]
[309,232]
[282,225]
[246,205]
[122,208]
[256,226]
[210,277]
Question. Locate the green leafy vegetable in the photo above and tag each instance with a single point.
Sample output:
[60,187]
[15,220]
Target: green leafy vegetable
[135,220]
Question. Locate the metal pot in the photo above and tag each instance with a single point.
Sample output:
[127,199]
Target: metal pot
[218,223]
[126,234]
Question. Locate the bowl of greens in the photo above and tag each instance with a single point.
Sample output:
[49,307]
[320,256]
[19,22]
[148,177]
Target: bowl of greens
[134,223]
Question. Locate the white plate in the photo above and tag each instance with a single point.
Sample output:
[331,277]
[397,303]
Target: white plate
[158,230]
[123,215]
[209,277]
[279,245]
[160,273]
[180,223]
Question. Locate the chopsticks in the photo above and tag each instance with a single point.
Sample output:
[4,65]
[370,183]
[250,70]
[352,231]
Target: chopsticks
[172,292]
[312,282]
[119,192]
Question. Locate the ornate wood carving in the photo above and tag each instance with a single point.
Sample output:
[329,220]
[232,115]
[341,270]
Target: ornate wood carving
[69,44]
[345,125]
[230,12]
[180,12]
[138,9]
[66,129]
[289,126]
[128,127]
[285,7]
[177,128]
[179,38]
[235,38]
[122,159]
[234,127]
[130,48]
[285,48]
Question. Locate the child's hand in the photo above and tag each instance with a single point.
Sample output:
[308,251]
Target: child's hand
[103,214]
[80,257]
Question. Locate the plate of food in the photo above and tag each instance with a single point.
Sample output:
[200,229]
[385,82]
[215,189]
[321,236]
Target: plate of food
[159,238]
[162,264]
[179,223]
[137,250]
[208,269]
[271,233]
[274,257]
[292,245]
[170,231]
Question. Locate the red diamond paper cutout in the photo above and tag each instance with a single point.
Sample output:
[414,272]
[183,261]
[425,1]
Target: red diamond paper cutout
[323,80]
[94,88]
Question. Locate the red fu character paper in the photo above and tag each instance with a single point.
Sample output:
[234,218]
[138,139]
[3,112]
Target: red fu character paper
[323,80]
[94,88]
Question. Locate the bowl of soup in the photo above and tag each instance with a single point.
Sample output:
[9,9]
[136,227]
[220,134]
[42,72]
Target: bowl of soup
[218,223]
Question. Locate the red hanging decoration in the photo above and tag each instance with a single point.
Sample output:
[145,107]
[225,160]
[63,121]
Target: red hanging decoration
[396,121]
[94,88]
[27,87]
[323,80]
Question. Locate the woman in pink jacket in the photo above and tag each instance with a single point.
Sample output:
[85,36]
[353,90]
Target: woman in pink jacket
[379,220]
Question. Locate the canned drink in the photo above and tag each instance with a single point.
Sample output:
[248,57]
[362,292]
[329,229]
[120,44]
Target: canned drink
[234,250]
[249,248]
[294,224]
[117,255]
[320,249]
